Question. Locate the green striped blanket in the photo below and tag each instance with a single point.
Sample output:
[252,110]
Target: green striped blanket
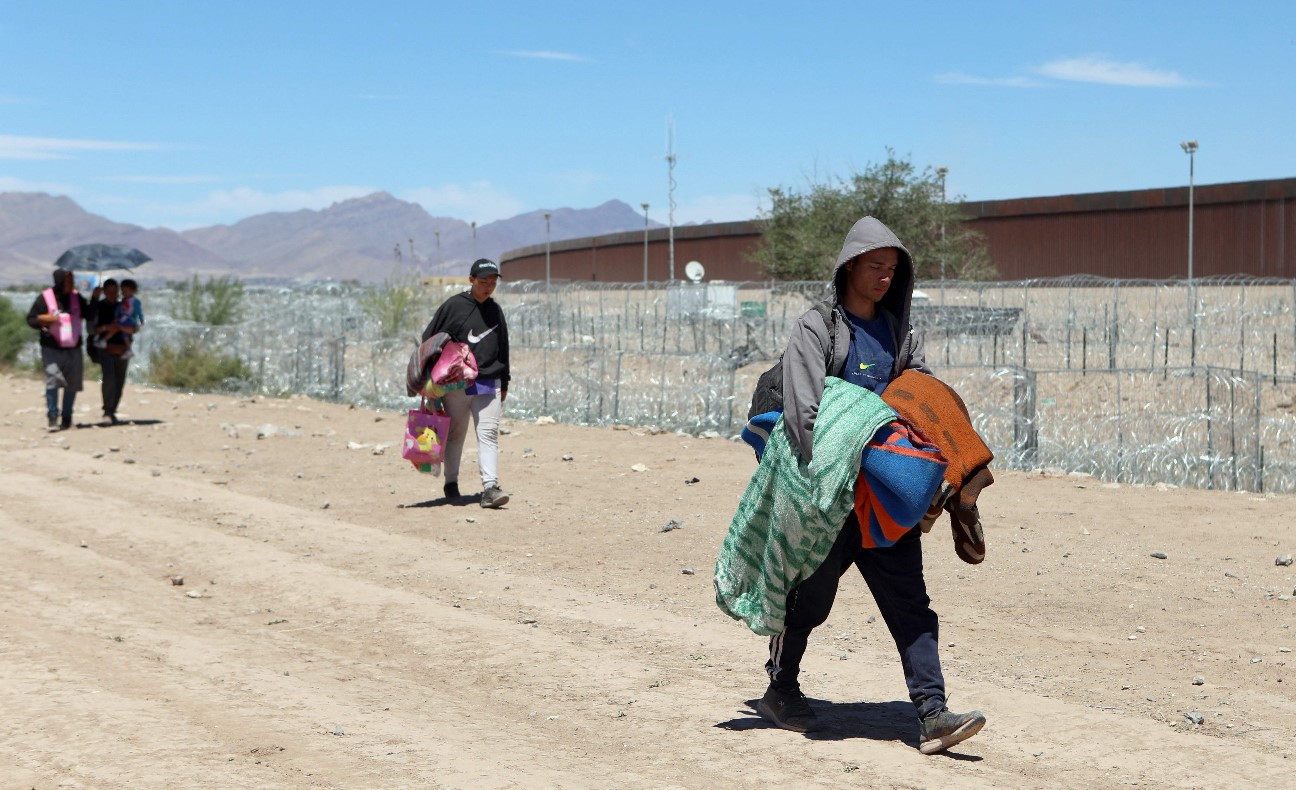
[791,512]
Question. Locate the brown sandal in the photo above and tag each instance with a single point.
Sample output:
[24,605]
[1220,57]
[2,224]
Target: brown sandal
[965,519]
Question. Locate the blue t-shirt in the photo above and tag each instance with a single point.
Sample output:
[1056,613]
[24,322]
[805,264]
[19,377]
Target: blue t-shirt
[872,353]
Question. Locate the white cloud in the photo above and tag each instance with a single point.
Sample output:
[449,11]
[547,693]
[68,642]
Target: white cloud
[232,205]
[576,180]
[165,179]
[957,78]
[711,208]
[1101,70]
[480,201]
[541,54]
[245,201]
[1093,69]
[39,148]
[11,184]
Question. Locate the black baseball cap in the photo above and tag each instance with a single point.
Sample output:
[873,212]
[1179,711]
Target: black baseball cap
[484,267]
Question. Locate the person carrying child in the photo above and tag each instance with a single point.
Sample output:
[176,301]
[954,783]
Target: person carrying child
[113,341]
[130,315]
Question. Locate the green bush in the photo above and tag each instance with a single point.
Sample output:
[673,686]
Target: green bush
[395,305]
[14,332]
[187,365]
[216,302]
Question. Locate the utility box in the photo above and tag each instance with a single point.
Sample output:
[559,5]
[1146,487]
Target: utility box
[716,301]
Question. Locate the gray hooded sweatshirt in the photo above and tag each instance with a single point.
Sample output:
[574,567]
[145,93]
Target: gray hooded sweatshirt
[804,366]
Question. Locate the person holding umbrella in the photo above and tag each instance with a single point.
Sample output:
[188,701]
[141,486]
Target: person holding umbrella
[57,314]
[102,321]
[115,345]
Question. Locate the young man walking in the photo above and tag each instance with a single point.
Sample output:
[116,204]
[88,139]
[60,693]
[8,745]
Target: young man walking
[473,317]
[873,287]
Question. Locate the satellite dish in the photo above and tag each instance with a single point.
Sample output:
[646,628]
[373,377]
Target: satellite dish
[694,271]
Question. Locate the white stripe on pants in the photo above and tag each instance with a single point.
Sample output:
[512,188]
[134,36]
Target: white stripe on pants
[485,412]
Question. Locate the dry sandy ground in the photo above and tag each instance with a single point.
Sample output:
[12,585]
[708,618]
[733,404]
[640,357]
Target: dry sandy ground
[388,641]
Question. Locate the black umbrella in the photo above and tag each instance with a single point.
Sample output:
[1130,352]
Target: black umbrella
[100,257]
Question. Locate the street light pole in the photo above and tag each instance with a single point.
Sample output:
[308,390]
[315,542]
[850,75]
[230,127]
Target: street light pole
[1190,148]
[645,210]
[546,216]
[474,231]
[670,198]
[438,248]
[942,171]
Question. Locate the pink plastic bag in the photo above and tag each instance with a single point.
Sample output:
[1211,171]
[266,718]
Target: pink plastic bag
[425,437]
[455,364]
[67,332]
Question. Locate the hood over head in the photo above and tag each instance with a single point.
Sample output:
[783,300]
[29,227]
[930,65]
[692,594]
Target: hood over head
[870,234]
[59,274]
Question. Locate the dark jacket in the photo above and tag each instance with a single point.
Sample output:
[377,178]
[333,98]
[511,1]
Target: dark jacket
[104,313]
[804,365]
[64,301]
[482,327]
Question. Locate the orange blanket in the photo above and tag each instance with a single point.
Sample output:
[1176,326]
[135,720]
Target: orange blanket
[938,412]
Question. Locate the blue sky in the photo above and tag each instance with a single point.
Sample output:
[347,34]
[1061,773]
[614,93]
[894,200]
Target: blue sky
[184,114]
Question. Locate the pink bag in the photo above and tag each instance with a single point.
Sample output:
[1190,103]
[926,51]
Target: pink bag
[67,332]
[455,364]
[425,437]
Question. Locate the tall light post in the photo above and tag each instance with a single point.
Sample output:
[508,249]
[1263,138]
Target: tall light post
[438,248]
[942,172]
[645,210]
[1190,148]
[546,216]
[670,199]
[474,231]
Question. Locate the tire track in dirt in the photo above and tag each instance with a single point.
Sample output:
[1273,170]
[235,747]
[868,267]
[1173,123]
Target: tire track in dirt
[418,649]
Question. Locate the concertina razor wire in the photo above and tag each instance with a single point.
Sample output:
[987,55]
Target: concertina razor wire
[1133,381]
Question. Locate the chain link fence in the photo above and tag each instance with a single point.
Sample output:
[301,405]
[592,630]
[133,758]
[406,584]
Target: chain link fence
[1133,381]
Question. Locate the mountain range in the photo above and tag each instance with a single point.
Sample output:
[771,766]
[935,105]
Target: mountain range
[367,239]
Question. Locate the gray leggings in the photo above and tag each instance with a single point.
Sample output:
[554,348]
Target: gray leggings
[485,412]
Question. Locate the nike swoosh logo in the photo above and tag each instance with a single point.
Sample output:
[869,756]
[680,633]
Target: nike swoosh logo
[475,339]
[866,367]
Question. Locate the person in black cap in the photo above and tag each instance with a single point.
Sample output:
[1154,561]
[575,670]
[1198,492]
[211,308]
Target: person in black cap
[473,317]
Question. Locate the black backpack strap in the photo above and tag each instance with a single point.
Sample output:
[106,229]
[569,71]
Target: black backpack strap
[828,312]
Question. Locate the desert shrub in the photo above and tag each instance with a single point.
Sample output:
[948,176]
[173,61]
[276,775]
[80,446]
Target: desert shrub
[14,332]
[396,305]
[189,365]
[216,302]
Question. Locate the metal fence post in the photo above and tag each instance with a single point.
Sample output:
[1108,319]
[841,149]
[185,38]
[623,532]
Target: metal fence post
[1025,424]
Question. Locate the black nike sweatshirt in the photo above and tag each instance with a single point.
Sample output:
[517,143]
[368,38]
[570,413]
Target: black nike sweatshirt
[482,327]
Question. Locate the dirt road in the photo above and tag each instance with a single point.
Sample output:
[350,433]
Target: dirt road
[338,628]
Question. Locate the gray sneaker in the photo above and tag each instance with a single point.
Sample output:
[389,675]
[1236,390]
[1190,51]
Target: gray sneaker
[787,708]
[942,730]
[493,497]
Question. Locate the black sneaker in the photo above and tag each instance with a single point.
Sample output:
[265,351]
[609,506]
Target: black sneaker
[942,730]
[66,424]
[493,497]
[788,709]
[451,490]
[53,421]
